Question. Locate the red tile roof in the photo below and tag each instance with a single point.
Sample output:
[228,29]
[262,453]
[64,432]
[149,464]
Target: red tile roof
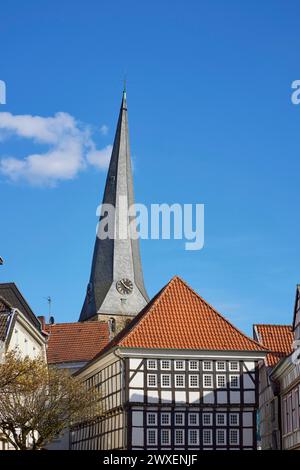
[75,342]
[278,339]
[178,318]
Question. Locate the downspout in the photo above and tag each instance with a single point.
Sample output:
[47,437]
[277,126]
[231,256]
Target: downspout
[122,359]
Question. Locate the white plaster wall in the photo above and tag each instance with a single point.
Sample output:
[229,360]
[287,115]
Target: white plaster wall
[24,341]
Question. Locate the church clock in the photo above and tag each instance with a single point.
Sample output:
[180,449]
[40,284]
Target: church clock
[124,286]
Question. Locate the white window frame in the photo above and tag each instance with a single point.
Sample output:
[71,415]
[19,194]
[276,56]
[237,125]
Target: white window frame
[168,362]
[218,376]
[194,431]
[148,380]
[237,421]
[210,419]
[177,376]
[221,369]
[197,419]
[217,437]
[151,413]
[193,362]
[162,383]
[177,362]
[210,367]
[233,369]
[152,430]
[230,438]
[176,443]
[190,380]
[230,381]
[176,415]
[224,416]
[209,432]
[154,361]
[212,381]
[165,415]
[168,432]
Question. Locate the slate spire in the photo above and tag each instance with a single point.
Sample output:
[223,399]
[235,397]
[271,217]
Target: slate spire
[116,286]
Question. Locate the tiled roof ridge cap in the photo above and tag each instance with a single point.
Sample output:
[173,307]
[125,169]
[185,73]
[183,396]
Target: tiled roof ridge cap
[89,322]
[273,325]
[220,315]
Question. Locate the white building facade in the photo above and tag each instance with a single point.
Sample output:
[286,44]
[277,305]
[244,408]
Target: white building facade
[20,331]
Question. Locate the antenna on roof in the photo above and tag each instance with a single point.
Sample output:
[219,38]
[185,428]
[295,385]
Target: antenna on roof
[49,300]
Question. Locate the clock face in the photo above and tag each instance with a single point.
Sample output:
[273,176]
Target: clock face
[124,286]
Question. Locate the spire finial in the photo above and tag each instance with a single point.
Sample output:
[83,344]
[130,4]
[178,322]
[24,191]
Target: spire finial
[124,92]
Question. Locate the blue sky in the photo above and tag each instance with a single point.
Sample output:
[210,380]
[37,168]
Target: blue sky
[211,121]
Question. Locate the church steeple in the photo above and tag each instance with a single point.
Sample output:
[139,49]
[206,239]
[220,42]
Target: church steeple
[116,287]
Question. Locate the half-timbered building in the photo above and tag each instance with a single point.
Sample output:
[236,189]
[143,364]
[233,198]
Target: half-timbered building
[287,375]
[71,346]
[179,376]
[279,340]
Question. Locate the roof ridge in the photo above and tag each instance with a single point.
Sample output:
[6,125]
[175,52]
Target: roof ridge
[5,302]
[220,315]
[76,323]
[272,324]
[156,300]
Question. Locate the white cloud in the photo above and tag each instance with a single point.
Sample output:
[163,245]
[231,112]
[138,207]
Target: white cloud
[100,158]
[71,148]
[104,129]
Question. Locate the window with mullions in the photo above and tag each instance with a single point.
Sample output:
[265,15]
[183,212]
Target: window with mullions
[207,365]
[165,380]
[221,381]
[152,437]
[221,365]
[194,381]
[165,365]
[234,381]
[207,437]
[152,380]
[165,436]
[207,380]
[233,419]
[193,436]
[179,365]
[221,419]
[179,419]
[179,437]
[179,381]
[207,419]
[233,365]
[165,419]
[151,419]
[193,365]
[152,364]
[233,436]
[221,437]
[193,419]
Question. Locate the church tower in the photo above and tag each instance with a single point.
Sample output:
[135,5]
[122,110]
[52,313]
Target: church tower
[116,290]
